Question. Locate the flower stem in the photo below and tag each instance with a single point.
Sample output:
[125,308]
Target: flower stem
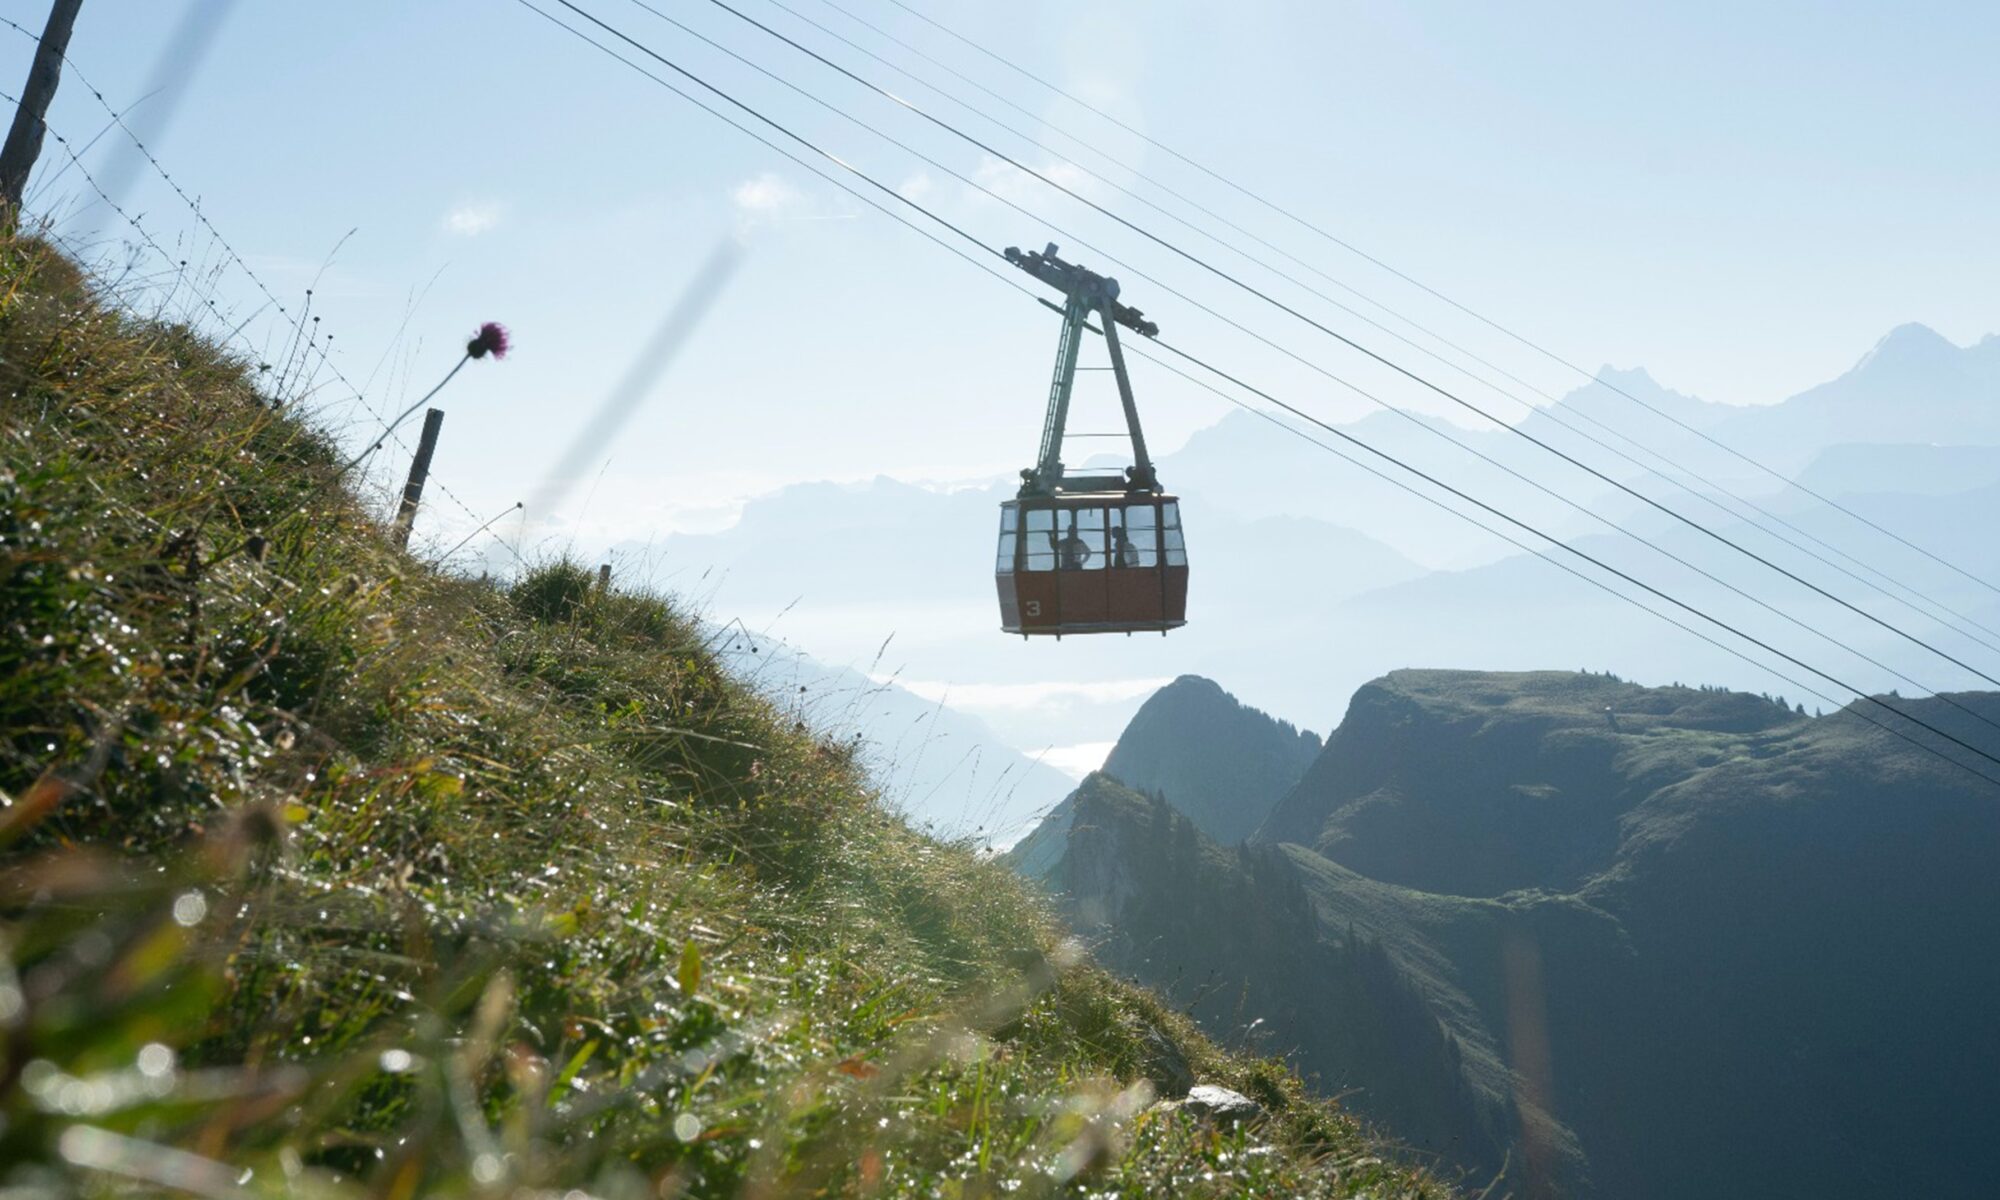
[404,415]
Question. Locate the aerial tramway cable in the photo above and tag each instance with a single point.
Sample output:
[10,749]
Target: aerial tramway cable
[1889,587]
[1406,415]
[1365,256]
[1351,343]
[1545,556]
[1599,563]
[1218,372]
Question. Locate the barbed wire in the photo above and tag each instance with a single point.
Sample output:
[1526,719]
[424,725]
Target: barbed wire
[194,206]
[178,267]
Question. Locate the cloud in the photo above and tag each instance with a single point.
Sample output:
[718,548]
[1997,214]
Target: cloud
[1009,182]
[770,198]
[1018,697]
[1078,760]
[471,220]
[768,195]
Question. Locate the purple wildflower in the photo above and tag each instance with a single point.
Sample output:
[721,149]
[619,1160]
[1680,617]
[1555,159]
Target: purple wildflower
[491,339]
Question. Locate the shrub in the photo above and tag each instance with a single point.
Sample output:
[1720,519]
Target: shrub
[553,591]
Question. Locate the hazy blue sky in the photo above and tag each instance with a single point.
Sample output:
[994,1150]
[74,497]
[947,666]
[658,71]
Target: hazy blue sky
[1739,197]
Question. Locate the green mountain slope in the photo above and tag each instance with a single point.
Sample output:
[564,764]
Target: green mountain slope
[1215,759]
[1340,973]
[1699,945]
[325,872]
[1475,783]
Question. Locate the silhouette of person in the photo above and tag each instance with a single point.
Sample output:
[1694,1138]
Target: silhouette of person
[1073,552]
[1124,552]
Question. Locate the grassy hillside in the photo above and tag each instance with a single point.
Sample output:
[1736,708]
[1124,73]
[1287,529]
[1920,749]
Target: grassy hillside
[325,872]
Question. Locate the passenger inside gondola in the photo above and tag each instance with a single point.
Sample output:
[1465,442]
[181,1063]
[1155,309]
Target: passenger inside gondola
[1123,550]
[1073,552]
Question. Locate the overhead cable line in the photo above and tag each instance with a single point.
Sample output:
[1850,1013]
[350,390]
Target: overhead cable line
[1358,347]
[1489,322]
[1889,587]
[1599,563]
[1545,556]
[748,132]
[1431,479]
[1581,508]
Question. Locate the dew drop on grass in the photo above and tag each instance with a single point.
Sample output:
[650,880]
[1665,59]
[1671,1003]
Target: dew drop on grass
[687,1127]
[155,1060]
[190,908]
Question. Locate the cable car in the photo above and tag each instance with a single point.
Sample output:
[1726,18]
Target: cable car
[1098,552]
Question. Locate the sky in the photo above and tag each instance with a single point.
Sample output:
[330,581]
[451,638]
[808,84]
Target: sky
[1739,198]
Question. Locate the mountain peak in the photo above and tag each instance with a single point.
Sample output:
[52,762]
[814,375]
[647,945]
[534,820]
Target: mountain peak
[1216,759]
[1193,687]
[1909,342]
[1639,384]
[1626,377]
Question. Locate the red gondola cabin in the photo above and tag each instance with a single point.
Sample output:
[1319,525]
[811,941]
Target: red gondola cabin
[1094,553]
[1092,563]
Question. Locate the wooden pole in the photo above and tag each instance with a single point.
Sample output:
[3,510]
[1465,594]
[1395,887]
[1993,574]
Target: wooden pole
[420,470]
[604,577]
[24,137]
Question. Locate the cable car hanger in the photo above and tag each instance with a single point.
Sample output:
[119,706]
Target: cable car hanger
[1093,552]
[1085,292]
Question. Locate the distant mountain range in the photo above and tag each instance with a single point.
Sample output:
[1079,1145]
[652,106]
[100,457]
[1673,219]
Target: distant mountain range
[1608,940]
[1311,577]
[1915,386]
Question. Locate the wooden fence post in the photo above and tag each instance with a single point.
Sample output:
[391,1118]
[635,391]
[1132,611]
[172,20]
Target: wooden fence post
[24,137]
[604,577]
[420,470]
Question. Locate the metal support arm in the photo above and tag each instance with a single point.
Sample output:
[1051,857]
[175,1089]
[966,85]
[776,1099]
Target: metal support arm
[1142,464]
[1048,464]
[1086,292]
